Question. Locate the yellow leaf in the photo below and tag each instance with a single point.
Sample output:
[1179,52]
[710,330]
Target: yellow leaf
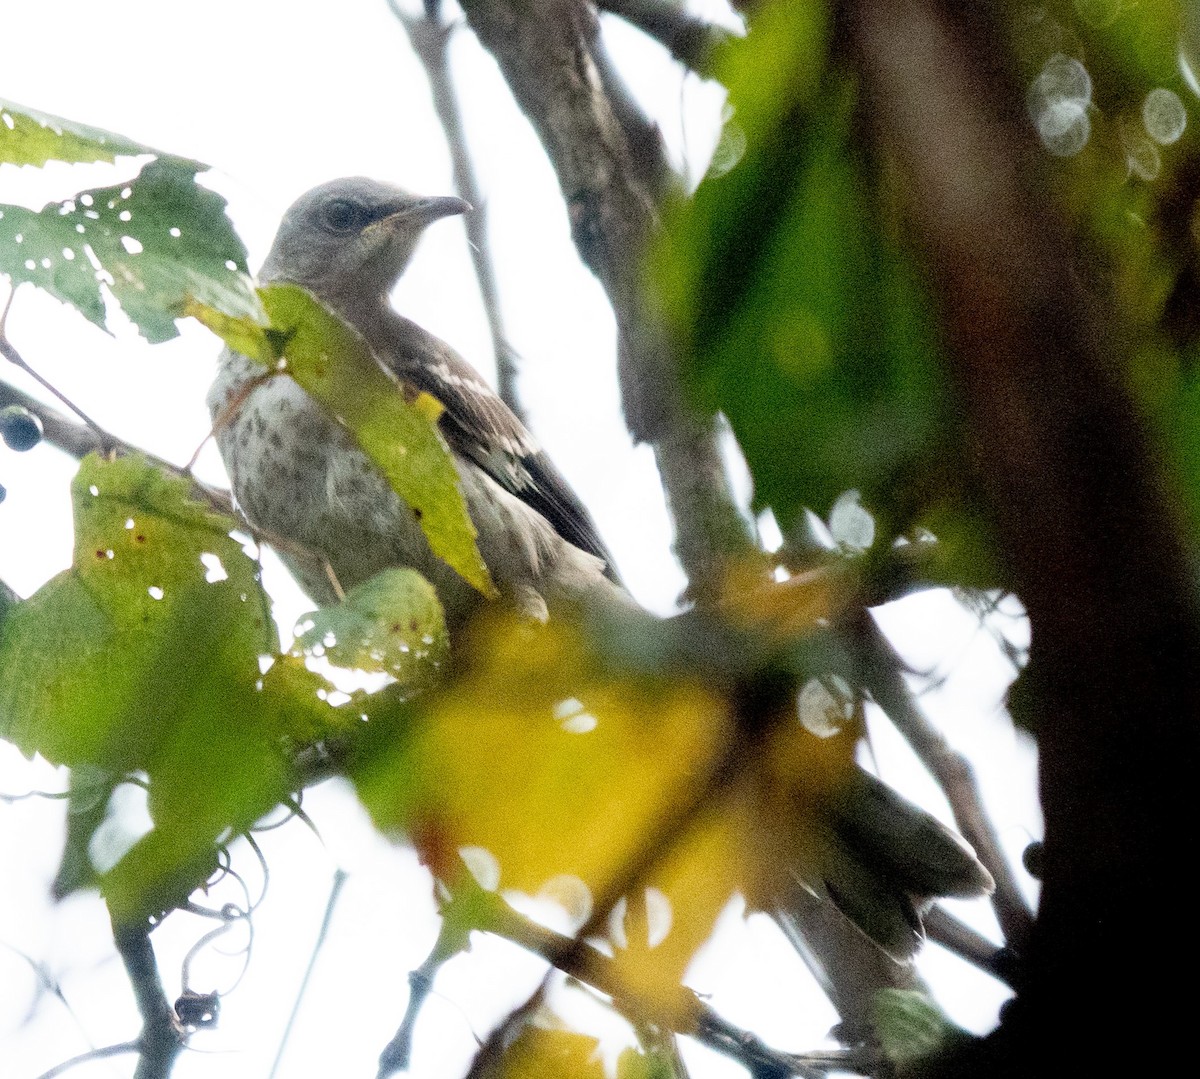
[555,768]
[541,1053]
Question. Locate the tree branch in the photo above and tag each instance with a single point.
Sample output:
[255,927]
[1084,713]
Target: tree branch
[688,39]
[582,961]
[1088,528]
[544,50]
[77,440]
[163,1037]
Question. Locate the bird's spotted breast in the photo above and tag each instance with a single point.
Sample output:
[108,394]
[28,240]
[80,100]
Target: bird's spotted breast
[300,478]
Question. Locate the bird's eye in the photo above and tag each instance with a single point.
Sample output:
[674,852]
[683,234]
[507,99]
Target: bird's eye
[341,215]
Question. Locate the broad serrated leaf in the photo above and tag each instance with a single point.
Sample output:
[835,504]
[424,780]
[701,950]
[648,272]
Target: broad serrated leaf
[392,623]
[396,429]
[159,243]
[29,137]
[144,656]
[91,657]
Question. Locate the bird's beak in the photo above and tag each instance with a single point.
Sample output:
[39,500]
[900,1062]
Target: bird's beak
[426,210]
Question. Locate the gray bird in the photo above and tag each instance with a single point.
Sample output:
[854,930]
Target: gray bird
[299,476]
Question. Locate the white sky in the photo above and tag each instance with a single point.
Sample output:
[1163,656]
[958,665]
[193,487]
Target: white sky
[279,95]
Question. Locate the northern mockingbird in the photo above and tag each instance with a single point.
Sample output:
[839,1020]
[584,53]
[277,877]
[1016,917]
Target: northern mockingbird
[298,475]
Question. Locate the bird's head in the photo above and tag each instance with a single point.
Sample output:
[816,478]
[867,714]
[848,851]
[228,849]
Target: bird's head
[352,236]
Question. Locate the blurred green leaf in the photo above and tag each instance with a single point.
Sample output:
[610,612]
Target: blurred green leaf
[392,623]
[655,1062]
[912,1028]
[802,318]
[29,137]
[159,242]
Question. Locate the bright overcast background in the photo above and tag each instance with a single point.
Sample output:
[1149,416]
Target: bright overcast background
[278,95]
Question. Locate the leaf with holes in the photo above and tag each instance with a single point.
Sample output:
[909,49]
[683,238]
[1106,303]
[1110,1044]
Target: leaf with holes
[392,623]
[159,243]
[29,137]
[144,656]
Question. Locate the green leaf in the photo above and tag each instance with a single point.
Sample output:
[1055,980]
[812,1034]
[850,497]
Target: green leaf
[144,656]
[161,242]
[912,1028]
[397,430]
[294,702]
[812,333]
[29,137]
[392,623]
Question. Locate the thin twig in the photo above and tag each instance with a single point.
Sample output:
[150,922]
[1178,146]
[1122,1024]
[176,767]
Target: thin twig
[972,947]
[397,1053]
[429,36]
[119,1049]
[580,960]
[339,879]
[77,440]
[10,353]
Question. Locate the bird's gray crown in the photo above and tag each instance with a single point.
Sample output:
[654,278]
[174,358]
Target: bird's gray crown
[352,237]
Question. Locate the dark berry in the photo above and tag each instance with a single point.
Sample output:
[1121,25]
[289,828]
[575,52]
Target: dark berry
[20,428]
[1032,859]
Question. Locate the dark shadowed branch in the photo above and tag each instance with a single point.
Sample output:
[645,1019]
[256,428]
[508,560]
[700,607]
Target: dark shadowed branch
[689,39]
[959,938]
[1087,530]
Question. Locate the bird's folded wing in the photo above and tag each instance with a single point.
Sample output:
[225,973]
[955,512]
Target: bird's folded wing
[480,426]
